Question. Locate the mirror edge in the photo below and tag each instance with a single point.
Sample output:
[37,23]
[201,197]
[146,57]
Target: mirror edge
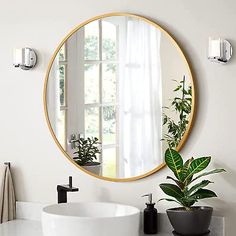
[193,111]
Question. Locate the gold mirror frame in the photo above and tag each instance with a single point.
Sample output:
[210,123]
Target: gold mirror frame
[191,118]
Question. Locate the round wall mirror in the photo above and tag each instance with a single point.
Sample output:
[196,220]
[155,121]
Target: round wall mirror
[118,92]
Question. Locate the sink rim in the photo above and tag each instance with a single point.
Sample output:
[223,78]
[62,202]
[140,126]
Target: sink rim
[46,210]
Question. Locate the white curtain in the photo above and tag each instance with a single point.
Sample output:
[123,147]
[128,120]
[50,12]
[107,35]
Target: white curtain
[139,99]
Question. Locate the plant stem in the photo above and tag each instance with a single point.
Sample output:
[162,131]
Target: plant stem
[187,208]
[182,111]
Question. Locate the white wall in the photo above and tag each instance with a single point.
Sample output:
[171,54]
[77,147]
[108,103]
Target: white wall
[39,166]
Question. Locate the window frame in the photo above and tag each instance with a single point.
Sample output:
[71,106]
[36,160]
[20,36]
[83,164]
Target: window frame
[100,104]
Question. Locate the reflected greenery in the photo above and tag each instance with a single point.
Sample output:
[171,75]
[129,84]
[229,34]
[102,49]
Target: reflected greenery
[182,105]
[87,150]
[62,85]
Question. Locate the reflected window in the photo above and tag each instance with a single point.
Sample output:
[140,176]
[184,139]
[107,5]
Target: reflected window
[100,90]
[61,85]
[91,41]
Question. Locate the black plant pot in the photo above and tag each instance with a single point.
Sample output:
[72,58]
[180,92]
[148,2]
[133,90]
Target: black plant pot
[194,222]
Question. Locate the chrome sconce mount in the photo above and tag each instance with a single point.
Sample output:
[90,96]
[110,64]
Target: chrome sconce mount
[219,50]
[25,58]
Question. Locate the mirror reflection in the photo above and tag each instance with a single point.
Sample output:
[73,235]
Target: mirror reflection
[119,91]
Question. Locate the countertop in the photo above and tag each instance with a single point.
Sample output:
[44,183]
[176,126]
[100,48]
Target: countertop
[27,228]
[21,228]
[28,222]
[33,228]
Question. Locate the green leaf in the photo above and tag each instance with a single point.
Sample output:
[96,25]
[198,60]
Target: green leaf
[175,162]
[215,171]
[186,167]
[172,190]
[203,193]
[178,88]
[165,120]
[179,183]
[187,202]
[197,165]
[198,186]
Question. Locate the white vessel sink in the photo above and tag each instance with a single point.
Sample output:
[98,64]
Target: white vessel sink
[90,219]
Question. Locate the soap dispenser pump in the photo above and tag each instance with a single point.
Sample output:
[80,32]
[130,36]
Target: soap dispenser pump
[150,216]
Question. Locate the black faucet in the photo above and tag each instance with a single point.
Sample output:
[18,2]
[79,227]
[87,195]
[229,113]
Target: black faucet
[63,189]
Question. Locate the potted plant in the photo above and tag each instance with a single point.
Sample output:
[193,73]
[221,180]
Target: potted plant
[86,153]
[188,219]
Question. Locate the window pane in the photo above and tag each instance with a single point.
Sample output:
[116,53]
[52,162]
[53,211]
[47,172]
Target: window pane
[109,162]
[109,82]
[108,41]
[62,77]
[91,41]
[109,125]
[92,122]
[91,83]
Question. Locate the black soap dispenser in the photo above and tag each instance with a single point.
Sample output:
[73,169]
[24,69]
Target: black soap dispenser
[149,216]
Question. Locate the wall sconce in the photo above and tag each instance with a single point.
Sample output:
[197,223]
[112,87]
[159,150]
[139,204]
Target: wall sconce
[25,58]
[219,50]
